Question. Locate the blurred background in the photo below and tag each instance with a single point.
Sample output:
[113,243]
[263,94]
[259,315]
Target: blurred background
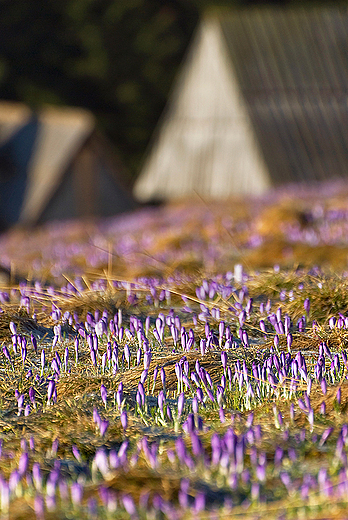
[115,58]
[83,88]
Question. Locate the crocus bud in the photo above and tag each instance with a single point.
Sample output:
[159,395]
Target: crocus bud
[20,403]
[124,419]
[104,394]
[224,359]
[163,377]
[307,306]
[37,478]
[43,360]
[76,453]
[338,395]
[323,386]
[50,390]
[161,401]
[103,427]
[6,354]
[33,342]
[23,464]
[181,403]
[76,491]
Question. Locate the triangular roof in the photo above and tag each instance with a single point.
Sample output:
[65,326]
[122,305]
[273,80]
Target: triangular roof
[278,78]
[61,132]
[292,70]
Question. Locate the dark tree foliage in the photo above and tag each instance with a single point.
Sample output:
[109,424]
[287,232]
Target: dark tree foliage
[115,57]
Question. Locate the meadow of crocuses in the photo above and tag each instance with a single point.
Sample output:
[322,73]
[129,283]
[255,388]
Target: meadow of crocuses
[187,391]
[177,398]
[302,225]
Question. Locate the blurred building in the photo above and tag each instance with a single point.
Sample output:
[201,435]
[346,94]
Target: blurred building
[54,164]
[261,101]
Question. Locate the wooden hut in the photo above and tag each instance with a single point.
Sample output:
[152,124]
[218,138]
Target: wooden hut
[54,164]
[260,101]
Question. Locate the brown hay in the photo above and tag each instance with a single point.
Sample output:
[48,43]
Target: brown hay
[211,362]
[141,480]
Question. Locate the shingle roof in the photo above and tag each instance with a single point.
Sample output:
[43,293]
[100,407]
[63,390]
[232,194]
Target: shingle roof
[292,69]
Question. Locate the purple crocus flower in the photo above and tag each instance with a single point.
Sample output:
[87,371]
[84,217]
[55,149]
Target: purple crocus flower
[104,395]
[128,504]
[23,464]
[180,449]
[263,326]
[323,408]
[104,357]
[326,434]
[119,397]
[181,404]
[169,414]
[39,507]
[13,328]
[127,355]
[96,417]
[43,361]
[194,378]
[32,395]
[147,359]
[199,502]
[221,415]
[163,378]
[141,392]
[66,358]
[338,395]
[20,402]
[332,322]
[76,346]
[55,367]
[7,354]
[37,477]
[160,328]
[76,491]
[323,386]
[124,419]
[14,480]
[178,371]
[93,357]
[289,341]
[76,453]
[100,328]
[24,350]
[50,390]
[224,360]
[210,395]
[199,393]
[307,306]
[311,418]
[161,401]
[189,424]
[100,461]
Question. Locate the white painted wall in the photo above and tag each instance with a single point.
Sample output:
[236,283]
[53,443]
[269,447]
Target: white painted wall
[205,142]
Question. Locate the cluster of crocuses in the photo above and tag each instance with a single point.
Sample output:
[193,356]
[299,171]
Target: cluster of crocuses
[237,460]
[238,463]
[150,236]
